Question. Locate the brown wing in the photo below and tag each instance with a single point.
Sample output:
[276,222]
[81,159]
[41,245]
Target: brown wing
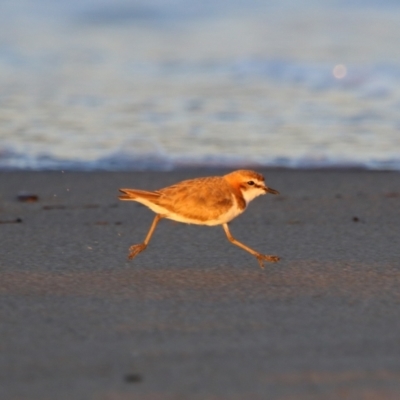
[201,198]
[132,194]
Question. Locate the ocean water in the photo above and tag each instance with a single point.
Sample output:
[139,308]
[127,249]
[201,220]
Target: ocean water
[163,84]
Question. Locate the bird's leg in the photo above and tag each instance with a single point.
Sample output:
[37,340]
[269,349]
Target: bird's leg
[138,248]
[260,257]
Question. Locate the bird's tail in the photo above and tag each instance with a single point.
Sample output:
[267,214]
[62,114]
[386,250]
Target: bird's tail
[134,194]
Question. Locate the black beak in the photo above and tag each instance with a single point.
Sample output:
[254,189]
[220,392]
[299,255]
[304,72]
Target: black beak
[270,190]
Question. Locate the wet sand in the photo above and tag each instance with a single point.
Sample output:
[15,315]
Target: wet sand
[194,316]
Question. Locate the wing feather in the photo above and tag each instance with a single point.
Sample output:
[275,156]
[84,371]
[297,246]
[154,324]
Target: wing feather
[200,198]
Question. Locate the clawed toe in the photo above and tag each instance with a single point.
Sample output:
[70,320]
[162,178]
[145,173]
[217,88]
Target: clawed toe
[135,250]
[263,257]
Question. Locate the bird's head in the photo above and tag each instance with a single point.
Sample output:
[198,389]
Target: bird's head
[251,184]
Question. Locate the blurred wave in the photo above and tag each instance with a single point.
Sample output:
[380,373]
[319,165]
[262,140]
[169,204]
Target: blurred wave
[161,84]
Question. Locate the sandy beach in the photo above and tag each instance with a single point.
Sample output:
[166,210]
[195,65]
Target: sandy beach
[194,316]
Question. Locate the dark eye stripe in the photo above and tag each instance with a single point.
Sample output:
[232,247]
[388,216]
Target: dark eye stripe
[250,183]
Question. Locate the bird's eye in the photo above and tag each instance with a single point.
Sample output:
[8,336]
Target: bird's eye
[250,183]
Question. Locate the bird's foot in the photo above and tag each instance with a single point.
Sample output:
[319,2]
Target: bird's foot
[136,249]
[264,257]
